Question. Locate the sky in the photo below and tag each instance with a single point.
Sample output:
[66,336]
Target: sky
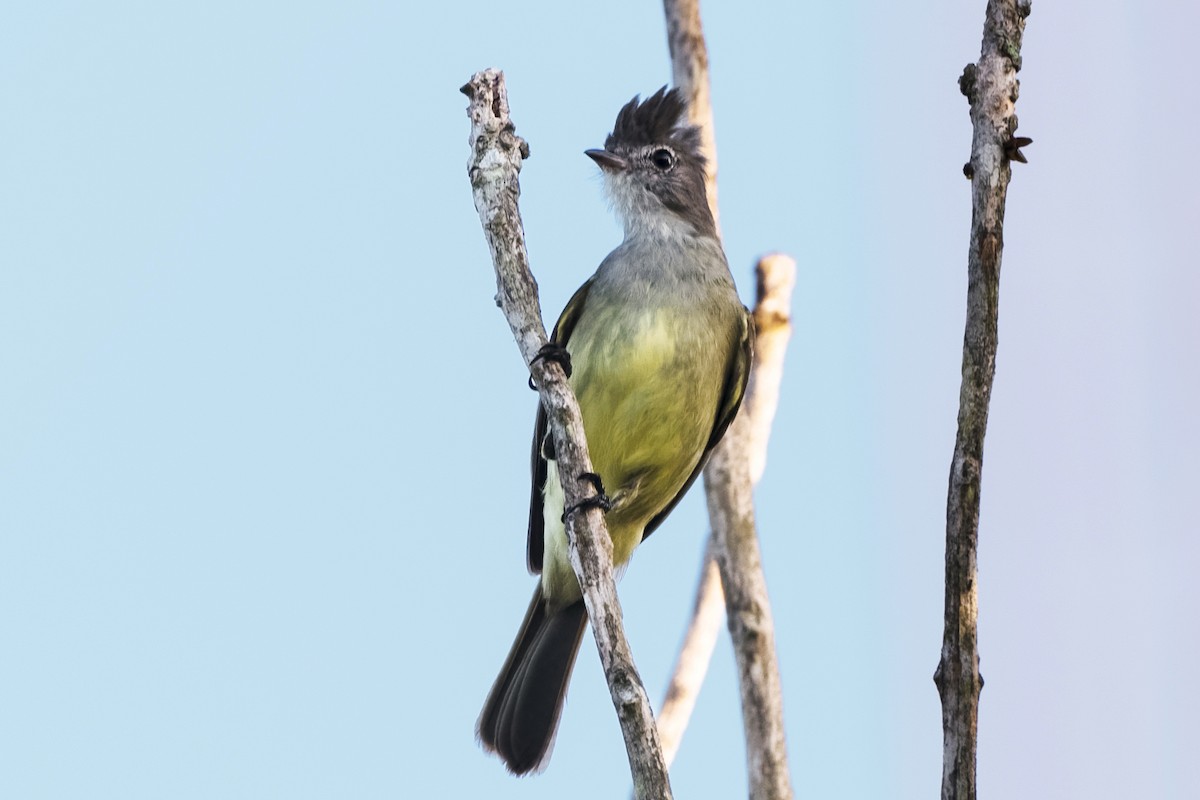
[264,434]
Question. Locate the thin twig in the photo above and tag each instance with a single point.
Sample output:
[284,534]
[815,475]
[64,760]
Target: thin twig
[496,154]
[775,278]
[695,654]
[991,87]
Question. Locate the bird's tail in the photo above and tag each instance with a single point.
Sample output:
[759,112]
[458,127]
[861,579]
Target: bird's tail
[521,714]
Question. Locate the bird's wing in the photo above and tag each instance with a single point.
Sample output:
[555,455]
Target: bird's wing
[732,392]
[560,335]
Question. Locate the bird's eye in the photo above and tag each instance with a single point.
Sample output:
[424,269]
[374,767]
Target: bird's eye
[662,158]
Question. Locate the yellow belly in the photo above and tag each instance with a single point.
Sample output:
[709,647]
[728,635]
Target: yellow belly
[649,405]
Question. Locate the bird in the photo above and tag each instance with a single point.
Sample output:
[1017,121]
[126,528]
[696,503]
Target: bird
[658,348]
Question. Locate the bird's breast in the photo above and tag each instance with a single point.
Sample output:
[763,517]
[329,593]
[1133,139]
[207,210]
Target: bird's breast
[648,382]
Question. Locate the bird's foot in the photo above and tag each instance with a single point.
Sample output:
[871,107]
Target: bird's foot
[552,351]
[599,500]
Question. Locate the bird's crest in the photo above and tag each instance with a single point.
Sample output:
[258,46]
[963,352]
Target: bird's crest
[659,119]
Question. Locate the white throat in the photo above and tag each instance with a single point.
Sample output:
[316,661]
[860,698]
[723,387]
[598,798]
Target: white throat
[641,213]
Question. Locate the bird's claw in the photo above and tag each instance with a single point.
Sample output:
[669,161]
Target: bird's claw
[552,351]
[599,500]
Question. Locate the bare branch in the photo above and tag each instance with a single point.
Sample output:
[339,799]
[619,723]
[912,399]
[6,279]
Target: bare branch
[496,154]
[735,545]
[689,65]
[991,87]
[776,277]
[766,753]
[689,68]
[695,654]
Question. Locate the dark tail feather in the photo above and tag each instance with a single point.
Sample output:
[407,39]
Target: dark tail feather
[521,713]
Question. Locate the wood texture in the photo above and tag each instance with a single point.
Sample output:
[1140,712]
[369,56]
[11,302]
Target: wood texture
[991,87]
[494,165]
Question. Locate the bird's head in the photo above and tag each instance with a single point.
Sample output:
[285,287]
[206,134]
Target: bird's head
[654,168]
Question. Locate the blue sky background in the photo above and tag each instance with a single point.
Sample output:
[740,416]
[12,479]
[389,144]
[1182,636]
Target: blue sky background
[263,433]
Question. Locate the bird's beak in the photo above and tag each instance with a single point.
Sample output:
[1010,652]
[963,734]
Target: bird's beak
[608,161]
